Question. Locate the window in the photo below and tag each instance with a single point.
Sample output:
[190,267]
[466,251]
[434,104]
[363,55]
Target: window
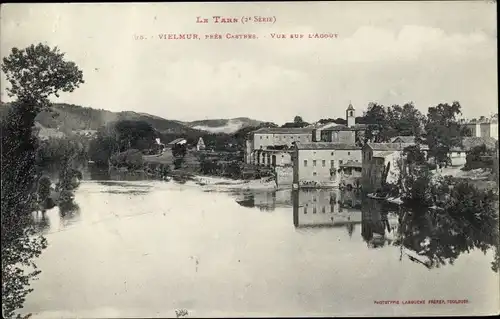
[314,198]
[332,163]
[332,208]
[261,137]
[305,163]
[314,174]
[323,210]
[323,162]
[314,210]
[340,162]
[332,154]
[267,137]
[348,153]
[314,162]
[305,210]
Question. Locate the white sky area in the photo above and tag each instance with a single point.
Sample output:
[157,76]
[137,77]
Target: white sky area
[386,52]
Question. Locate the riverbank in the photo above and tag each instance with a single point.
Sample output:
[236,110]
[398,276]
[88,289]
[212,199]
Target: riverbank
[221,183]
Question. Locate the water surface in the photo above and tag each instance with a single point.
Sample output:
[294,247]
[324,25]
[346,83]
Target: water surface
[147,248]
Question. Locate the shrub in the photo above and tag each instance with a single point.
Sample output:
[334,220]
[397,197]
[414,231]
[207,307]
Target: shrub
[129,159]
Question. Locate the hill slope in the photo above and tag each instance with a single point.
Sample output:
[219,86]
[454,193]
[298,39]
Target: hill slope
[68,118]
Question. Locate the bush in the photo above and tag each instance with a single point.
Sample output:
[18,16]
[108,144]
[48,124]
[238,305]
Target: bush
[131,159]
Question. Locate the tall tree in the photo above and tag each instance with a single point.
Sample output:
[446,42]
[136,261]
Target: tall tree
[443,130]
[34,74]
[376,120]
[135,134]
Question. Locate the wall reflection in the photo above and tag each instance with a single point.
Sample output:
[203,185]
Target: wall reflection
[326,208]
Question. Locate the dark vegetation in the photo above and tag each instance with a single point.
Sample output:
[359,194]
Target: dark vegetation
[34,74]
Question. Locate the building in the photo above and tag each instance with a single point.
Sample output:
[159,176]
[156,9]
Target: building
[324,164]
[380,158]
[177,141]
[403,139]
[326,208]
[485,127]
[200,146]
[351,133]
[267,146]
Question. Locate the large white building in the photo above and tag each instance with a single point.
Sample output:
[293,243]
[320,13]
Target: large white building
[323,164]
[272,146]
[484,128]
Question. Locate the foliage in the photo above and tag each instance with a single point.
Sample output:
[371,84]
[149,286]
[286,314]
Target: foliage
[34,74]
[37,72]
[443,130]
[102,148]
[479,157]
[414,156]
[330,120]
[55,150]
[297,123]
[135,134]
[466,220]
[131,159]
[44,184]
[119,137]
[384,123]
[179,150]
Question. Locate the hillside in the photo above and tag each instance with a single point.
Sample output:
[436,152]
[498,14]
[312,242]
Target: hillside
[223,125]
[68,118]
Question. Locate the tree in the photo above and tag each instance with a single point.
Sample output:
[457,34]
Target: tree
[135,134]
[443,130]
[405,121]
[376,120]
[298,119]
[34,74]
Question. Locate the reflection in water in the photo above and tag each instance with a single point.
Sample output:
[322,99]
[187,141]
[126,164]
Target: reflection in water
[425,236]
[379,223]
[69,210]
[41,221]
[264,200]
[326,208]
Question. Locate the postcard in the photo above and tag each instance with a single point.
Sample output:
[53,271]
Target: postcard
[249,159]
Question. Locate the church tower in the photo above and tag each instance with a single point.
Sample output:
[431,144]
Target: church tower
[350,116]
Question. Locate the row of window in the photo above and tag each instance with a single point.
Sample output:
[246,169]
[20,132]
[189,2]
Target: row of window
[323,209]
[323,163]
[287,137]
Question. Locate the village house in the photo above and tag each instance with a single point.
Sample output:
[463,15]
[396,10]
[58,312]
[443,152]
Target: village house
[323,164]
[177,141]
[272,146]
[378,158]
[323,208]
[200,146]
[351,133]
[457,154]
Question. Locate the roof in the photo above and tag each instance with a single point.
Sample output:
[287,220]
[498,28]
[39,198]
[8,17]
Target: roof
[326,146]
[342,127]
[327,125]
[404,139]
[382,153]
[177,140]
[284,130]
[389,146]
[350,107]
[351,164]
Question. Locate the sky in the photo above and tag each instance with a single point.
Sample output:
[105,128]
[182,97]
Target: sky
[385,52]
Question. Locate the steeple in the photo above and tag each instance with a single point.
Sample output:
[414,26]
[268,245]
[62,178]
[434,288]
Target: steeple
[350,115]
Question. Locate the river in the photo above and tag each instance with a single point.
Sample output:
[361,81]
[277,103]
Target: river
[149,248]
